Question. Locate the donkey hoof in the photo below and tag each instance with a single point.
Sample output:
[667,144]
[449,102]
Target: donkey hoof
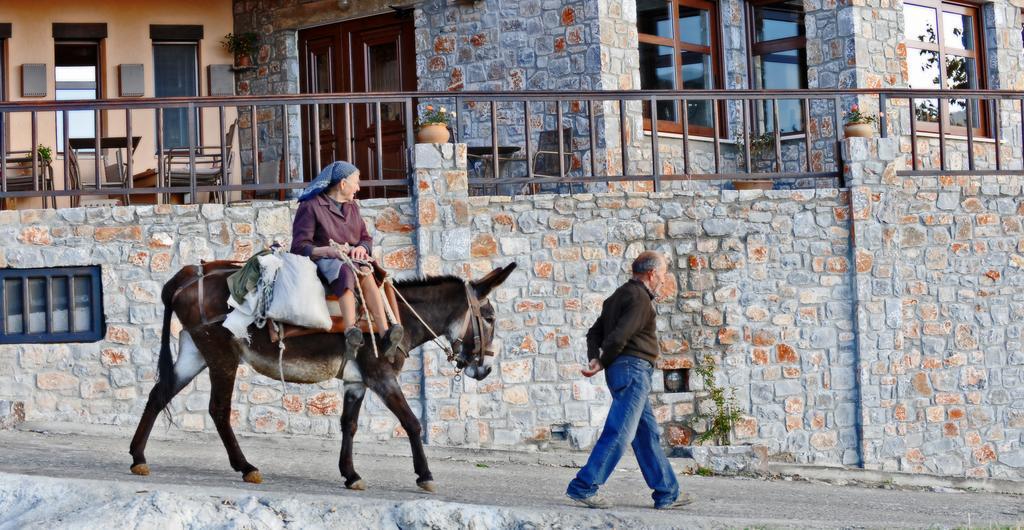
[253,477]
[141,469]
[428,486]
[359,485]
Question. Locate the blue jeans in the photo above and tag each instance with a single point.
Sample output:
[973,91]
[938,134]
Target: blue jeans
[630,421]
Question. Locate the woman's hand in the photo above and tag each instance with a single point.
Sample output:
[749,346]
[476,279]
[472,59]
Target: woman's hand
[359,252]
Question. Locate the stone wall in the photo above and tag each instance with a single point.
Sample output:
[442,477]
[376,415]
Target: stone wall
[889,338]
[940,315]
[138,249]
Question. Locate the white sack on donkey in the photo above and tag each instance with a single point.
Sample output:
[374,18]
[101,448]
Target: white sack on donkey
[299,297]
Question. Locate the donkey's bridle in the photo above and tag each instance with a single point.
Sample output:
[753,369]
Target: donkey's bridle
[476,324]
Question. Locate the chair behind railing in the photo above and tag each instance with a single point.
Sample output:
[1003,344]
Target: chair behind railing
[18,170]
[209,165]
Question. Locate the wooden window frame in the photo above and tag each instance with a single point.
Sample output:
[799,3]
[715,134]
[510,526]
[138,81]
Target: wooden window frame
[97,325]
[964,8]
[766,47]
[678,46]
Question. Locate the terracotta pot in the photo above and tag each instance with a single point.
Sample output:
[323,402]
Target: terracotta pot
[435,133]
[752,184]
[859,130]
[243,61]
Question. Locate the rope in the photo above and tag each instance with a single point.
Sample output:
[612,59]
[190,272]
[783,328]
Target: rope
[343,252]
[445,348]
[280,356]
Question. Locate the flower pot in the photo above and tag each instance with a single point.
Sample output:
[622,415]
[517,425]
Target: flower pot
[243,61]
[858,130]
[435,133]
[752,184]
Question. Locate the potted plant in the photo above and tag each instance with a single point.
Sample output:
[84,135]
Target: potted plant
[44,154]
[759,145]
[433,124]
[858,124]
[241,46]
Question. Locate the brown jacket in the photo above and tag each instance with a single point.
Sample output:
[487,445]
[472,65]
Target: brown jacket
[318,221]
[626,326]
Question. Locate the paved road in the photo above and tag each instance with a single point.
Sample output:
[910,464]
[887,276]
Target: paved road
[197,463]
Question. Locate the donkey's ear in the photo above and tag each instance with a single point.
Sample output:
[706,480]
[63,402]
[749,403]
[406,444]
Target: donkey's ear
[488,283]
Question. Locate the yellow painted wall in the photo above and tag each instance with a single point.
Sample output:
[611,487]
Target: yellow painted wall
[127,42]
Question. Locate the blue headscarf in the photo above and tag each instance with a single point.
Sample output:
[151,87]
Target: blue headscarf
[331,175]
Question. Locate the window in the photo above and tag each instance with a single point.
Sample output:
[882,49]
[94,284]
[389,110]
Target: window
[778,60]
[176,74]
[51,305]
[76,76]
[942,52]
[679,46]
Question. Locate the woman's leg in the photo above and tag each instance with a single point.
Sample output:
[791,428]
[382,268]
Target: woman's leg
[347,300]
[375,303]
[348,307]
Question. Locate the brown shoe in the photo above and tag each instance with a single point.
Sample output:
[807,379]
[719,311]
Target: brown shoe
[353,340]
[392,339]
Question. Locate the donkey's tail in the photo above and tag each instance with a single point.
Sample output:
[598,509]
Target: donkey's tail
[165,378]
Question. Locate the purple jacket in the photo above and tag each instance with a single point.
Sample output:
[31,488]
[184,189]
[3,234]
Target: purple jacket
[318,221]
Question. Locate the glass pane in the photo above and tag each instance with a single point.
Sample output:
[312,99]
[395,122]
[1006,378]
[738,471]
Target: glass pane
[385,76]
[323,84]
[920,23]
[652,18]
[59,311]
[82,303]
[698,75]
[779,21]
[958,113]
[958,31]
[14,306]
[784,69]
[787,70]
[175,75]
[694,26]
[923,67]
[75,78]
[37,305]
[961,73]
[657,72]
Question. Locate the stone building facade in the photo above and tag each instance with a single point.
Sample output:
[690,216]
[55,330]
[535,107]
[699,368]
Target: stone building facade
[874,325]
[877,327]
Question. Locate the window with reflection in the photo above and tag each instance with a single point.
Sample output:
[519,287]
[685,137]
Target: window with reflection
[943,41]
[778,61]
[76,76]
[679,49]
[176,74]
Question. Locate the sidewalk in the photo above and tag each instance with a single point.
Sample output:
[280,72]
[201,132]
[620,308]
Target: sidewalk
[192,485]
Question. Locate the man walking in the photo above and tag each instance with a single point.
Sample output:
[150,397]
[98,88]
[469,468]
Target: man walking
[624,343]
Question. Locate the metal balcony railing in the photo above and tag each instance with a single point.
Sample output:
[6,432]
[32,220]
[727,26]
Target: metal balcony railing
[609,137]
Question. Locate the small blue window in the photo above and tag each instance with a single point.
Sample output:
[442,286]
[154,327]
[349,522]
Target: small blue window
[62,304]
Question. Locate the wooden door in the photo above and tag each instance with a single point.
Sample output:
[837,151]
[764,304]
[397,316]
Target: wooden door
[373,54]
[320,73]
[383,60]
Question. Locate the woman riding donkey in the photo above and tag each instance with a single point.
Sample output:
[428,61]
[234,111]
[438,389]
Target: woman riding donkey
[328,214]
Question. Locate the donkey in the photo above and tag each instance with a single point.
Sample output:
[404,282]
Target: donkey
[454,309]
